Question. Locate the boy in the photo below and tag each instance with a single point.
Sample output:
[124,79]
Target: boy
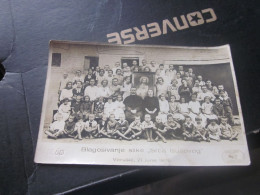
[91,126]
[227,104]
[121,127]
[218,108]
[173,128]
[201,130]
[160,129]
[56,129]
[135,128]
[214,131]
[70,126]
[226,130]
[148,126]
[102,127]
[189,130]
[79,127]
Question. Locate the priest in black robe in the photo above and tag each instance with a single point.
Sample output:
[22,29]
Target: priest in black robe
[133,104]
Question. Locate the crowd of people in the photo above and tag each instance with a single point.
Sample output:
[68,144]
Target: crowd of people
[104,103]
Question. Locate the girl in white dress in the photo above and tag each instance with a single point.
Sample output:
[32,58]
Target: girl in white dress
[119,107]
[164,108]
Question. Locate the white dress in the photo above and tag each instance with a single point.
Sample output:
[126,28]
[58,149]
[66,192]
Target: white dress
[164,110]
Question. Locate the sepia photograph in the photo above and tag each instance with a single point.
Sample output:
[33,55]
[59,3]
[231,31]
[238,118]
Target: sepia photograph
[141,105]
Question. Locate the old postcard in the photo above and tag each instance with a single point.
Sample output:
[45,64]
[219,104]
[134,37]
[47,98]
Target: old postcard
[141,105]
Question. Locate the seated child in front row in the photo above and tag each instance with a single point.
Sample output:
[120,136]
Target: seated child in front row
[214,131]
[56,129]
[121,127]
[201,130]
[91,127]
[148,127]
[70,126]
[173,128]
[190,131]
[135,128]
[79,126]
[159,129]
[226,130]
[111,124]
[102,127]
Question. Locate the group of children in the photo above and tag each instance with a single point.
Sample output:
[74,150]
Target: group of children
[92,106]
[108,127]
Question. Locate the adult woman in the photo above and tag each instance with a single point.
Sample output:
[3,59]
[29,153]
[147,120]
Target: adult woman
[184,90]
[143,87]
[66,92]
[151,104]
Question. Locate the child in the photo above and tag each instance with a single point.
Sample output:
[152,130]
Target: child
[148,126]
[79,127]
[64,109]
[173,128]
[109,107]
[70,126]
[189,130]
[119,107]
[86,107]
[91,126]
[56,129]
[99,108]
[207,108]
[175,109]
[195,108]
[226,130]
[227,104]
[75,105]
[218,108]
[184,107]
[135,128]
[102,127]
[160,129]
[201,130]
[173,90]
[111,125]
[121,127]
[164,107]
[214,131]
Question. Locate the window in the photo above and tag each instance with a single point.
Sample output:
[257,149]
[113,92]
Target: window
[56,59]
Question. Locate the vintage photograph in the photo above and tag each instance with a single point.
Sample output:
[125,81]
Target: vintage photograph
[153,98]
